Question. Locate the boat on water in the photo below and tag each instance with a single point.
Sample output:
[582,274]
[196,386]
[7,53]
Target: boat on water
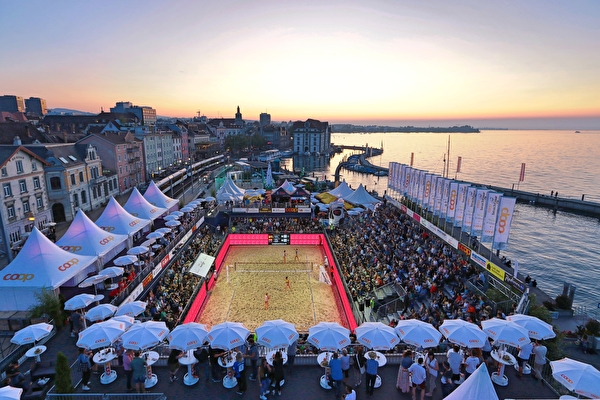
[287,153]
[269,155]
[577,132]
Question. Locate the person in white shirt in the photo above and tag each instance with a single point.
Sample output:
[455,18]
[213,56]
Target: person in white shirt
[350,393]
[418,377]
[432,372]
[523,356]
[539,351]
[472,362]
[455,360]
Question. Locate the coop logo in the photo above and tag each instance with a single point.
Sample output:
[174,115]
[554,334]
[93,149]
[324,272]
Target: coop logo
[566,378]
[452,199]
[106,240]
[72,249]
[68,264]
[427,188]
[504,215]
[108,228]
[153,210]
[18,277]
[134,222]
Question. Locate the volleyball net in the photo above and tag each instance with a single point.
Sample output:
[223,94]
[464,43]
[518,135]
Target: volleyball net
[274,267]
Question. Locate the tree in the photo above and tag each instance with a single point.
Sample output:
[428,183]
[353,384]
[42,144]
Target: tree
[63,383]
[51,305]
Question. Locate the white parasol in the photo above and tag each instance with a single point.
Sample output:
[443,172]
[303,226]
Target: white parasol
[505,332]
[172,224]
[125,260]
[126,319]
[329,336]
[166,231]
[187,336]
[145,335]
[155,235]
[137,250]
[276,333]
[577,376]
[99,335]
[463,333]
[377,336]
[10,393]
[111,272]
[228,335]
[79,301]
[418,333]
[100,312]
[171,218]
[31,333]
[133,308]
[537,328]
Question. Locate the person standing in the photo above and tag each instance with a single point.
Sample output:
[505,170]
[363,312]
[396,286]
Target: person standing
[371,369]
[264,380]
[127,357]
[403,380]
[418,374]
[252,354]
[359,365]
[267,301]
[138,367]
[77,320]
[288,286]
[278,371]
[523,357]
[296,257]
[350,393]
[335,374]
[85,366]
[291,354]
[284,256]
[214,363]
[239,369]
[539,351]
[201,354]
[455,360]
[471,363]
[447,384]
[173,363]
[432,372]
[345,359]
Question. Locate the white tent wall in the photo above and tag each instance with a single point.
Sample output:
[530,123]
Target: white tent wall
[19,299]
[138,206]
[115,219]
[156,197]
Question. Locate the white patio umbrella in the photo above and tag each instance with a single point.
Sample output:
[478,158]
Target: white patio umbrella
[79,301]
[92,281]
[418,333]
[126,319]
[577,376]
[210,198]
[145,335]
[463,333]
[99,335]
[125,260]
[171,218]
[137,250]
[100,312]
[31,333]
[177,214]
[505,332]
[187,336]
[166,231]
[228,335]
[188,209]
[132,309]
[148,242]
[537,328]
[329,336]
[155,235]
[111,272]
[172,224]
[10,393]
[377,336]
[276,333]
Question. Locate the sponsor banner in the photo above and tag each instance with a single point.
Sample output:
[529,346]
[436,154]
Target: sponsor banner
[199,223]
[469,207]
[147,280]
[464,249]
[409,212]
[461,200]
[106,240]
[502,230]
[135,293]
[392,175]
[427,190]
[238,209]
[445,198]
[156,271]
[495,270]
[439,190]
[165,260]
[252,210]
[479,212]
[478,259]
[452,241]
[291,210]
[18,277]
[264,210]
[514,282]
[431,202]
[404,209]
[421,191]
[278,210]
[452,202]
[416,217]
[68,264]
[71,249]
[406,183]
[398,178]
[304,210]
[491,214]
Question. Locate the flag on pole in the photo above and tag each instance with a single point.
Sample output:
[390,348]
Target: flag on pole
[452,202]
[491,214]
[461,201]
[502,231]
[458,163]
[469,207]
[445,198]
[427,190]
[432,192]
[479,212]
[522,175]
[439,190]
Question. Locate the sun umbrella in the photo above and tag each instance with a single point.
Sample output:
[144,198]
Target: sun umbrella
[92,280]
[377,336]
[145,335]
[148,243]
[210,198]
[418,333]
[537,328]
[155,235]
[173,223]
[187,336]
[276,333]
[187,209]
[79,301]
[99,335]
[578,377]
[32,333]
[177,214]
[132,308]
[228,335]
[10,393]
[171,218]
[463,333]
[505,332]
[126,319]
[100,312]
[111,272]
[166,231]
[125,260]
[137,250]
[329,336]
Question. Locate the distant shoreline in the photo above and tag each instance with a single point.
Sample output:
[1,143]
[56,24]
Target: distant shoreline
[348,128]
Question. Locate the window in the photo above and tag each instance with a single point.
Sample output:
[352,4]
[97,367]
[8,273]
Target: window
[94,192]
[7,190]
[15,236]
[36,183]
[26,207]
[75,200]
[55,183]
[110,185]
[40,202]
[19,167]
[72,179]
[4,171]
[33,166]
[119,158]
[22,185]
[83,197]
[80,176]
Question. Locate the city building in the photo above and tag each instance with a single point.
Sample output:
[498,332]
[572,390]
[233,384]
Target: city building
[11,103]
[147,115]
[24,199]
[159,154]
[35,106]
[265,119]
[311,137]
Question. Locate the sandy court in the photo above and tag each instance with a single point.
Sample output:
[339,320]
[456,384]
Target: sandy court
[243,298]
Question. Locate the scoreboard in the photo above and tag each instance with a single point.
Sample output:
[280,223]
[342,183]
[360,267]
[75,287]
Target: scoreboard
[279,238]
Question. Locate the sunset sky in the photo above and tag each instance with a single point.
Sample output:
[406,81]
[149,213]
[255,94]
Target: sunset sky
[514,63]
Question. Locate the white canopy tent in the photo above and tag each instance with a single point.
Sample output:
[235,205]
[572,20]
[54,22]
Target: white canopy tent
[288,187]
[156,197]
[361,197]
[86,238]
[343,190]
[39,264]
[229,191]
[477,386]
[115,219]
[202,265]
[138,206]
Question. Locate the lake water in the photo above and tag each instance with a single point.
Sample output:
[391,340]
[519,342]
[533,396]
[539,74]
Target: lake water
[551,247]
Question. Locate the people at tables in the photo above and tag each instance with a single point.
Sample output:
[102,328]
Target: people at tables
[14,375]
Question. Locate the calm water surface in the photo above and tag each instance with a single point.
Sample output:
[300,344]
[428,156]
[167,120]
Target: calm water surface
[551,247]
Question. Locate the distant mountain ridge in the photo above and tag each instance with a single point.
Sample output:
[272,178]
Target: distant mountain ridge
[68,111]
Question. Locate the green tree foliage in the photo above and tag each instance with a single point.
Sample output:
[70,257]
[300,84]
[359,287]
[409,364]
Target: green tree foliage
[63,383]
[50,304]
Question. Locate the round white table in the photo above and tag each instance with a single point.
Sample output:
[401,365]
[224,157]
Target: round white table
[271,355]
[504,358]
[151,357]
[526,368]
[381,361]
[36,352]
[106,356]
[227,361]
[189,378]
[112,286]
[325,356]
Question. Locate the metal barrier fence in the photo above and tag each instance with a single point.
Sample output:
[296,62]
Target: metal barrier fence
[106,396]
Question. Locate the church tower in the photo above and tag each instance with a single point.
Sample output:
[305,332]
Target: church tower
[238,117]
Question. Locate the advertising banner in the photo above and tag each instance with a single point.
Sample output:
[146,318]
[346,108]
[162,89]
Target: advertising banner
[460,204]
[469,207]
[491,214]
[479,212]
[502,230]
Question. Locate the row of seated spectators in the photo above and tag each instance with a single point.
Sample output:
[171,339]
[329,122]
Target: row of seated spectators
[275,225]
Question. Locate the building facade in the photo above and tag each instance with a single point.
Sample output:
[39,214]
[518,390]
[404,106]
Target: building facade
[36,107]
[12,103]
[311,137]
[147,115]
[159,153]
